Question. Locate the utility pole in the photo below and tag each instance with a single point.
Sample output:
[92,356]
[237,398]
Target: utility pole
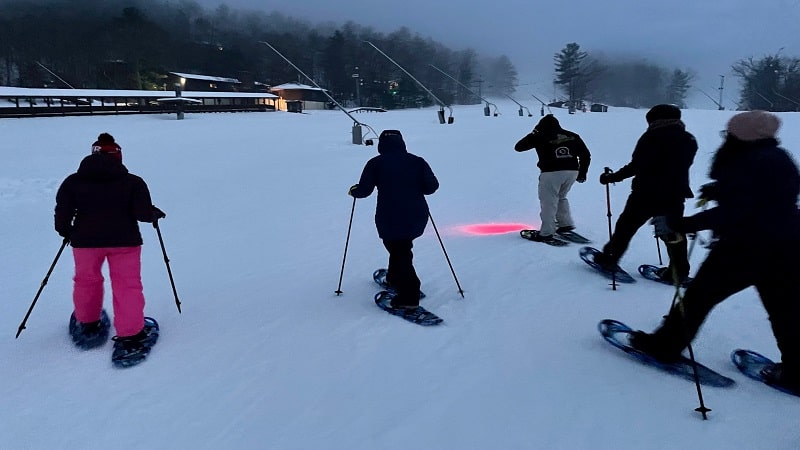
[721,86]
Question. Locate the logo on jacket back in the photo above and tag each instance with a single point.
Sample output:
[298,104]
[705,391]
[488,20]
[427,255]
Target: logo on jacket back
[563,152]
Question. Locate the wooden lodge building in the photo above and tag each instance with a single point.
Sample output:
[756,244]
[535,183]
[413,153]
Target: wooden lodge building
[193,93]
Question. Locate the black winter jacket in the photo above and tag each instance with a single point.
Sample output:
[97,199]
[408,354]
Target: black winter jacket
[403,180]
[660,163]
[558,149]
[756,188]
[100,204]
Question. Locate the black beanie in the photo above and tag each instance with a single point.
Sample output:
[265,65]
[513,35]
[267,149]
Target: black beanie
[105,138]
[548,123]
[663,112]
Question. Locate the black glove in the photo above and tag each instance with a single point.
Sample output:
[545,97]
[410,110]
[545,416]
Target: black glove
[708,192]
[65,232]
[581,178]
[158,214]
[609,177]
[664,230]
[352,188]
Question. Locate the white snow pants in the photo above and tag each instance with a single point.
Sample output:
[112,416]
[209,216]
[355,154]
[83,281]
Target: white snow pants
[553,190]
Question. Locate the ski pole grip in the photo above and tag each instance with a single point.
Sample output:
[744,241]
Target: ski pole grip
[607,170]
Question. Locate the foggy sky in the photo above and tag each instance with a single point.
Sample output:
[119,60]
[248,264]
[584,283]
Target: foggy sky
[703,36]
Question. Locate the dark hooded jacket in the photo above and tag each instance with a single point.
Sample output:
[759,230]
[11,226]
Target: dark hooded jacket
[660,163]
[100,204]
[756,185]
[557,148]
[403,180]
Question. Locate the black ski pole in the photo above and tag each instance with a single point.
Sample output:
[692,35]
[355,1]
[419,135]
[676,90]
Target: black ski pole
[41,287]
[460,291]
[346,243]
[166,261]
[608,214]
[658,247]
[702,409]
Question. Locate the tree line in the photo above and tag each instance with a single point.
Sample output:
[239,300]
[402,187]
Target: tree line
[96,44]
[771,83]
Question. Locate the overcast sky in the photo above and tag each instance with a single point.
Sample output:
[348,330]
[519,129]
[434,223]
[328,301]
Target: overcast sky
[704,36]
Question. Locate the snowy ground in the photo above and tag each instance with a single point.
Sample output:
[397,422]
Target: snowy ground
[265,355]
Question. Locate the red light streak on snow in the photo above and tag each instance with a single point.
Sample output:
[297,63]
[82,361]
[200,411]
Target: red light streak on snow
[492,228]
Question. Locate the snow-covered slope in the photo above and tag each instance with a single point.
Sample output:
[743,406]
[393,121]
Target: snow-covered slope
[265,355]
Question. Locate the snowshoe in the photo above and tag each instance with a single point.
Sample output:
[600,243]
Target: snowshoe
[662,275]
[87,336]
[569,234]
[763,369]
[380,278]
[533,235]
[593,257]
[418,315]
[132,350]
[618,334]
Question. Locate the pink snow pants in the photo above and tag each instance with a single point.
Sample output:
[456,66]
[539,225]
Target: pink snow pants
[124,269]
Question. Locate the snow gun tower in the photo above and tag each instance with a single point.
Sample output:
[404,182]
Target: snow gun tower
[357,131]
[520,106]
[541,111]
[441,104]
[485,108]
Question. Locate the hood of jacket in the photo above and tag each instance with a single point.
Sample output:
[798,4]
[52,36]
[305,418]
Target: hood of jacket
[390,143]
[101,167]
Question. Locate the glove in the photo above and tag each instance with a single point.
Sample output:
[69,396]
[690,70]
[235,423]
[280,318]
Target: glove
[709,191]
[158,214]
[664,230]
[610,177]
[65,232]
[352,188]
[581,178]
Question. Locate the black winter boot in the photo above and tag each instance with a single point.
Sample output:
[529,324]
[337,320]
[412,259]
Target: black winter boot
[778,375]
[652,346]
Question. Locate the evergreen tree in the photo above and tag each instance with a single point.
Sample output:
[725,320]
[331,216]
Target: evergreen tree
[677,88]
[466,69]
[143,40]
[501,76]
[771,83]
[570,73]
[635,84]
[335,74]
